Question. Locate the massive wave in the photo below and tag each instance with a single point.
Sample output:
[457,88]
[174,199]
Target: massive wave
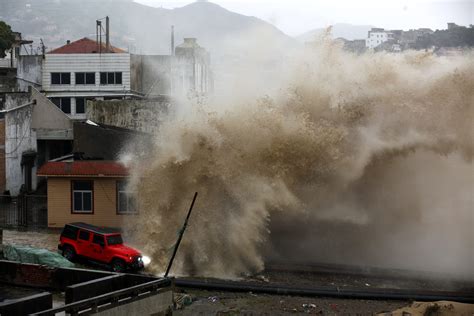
[361,159]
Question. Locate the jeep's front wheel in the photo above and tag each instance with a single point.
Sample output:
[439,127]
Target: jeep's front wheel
[118,265]
[69,253]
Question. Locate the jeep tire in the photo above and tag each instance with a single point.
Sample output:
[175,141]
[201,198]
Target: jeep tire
[118,265]
[69,253]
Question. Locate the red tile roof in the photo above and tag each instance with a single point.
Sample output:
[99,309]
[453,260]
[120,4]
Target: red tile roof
[97,168]
[84,46]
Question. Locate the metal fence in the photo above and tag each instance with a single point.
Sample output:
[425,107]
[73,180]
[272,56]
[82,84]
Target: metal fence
[25,211]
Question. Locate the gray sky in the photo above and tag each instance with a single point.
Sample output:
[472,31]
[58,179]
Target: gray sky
[298,16]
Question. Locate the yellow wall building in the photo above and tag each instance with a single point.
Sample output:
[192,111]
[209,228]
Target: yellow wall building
[92,192]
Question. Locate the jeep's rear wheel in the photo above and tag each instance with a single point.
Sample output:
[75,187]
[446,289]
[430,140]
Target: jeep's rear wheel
[118,265]
[69,253]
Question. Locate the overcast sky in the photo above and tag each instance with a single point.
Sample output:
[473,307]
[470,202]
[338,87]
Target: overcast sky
[298,16]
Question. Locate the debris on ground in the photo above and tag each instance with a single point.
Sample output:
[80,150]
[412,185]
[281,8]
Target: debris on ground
[181,300]
[440,308]
[308,308]
[262,278]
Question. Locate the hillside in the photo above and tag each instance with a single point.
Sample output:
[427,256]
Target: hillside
[347,31]
[134,26]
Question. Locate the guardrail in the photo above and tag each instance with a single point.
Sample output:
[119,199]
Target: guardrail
[112,299]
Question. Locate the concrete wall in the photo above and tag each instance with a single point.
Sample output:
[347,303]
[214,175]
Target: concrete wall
[104,201]
[29,71]
[154,298]
[192,69]
[109,142]
[27,305]
[188,71]
[7,79]
[159,305]
[23,127]
[19,138]
[139,115]
[2,156]
[152,74]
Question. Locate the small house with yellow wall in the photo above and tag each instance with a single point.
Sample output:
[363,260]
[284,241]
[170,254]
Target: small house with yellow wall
[87,191]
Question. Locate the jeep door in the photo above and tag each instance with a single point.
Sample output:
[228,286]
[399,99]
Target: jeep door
[83,243]
[97,248]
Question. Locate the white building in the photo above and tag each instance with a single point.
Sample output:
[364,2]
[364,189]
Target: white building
[377,36]
[82,70]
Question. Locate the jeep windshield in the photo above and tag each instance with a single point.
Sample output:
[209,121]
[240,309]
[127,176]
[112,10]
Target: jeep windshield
[114,240]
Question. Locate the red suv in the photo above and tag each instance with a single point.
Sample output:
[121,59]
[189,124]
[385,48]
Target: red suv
[100,244]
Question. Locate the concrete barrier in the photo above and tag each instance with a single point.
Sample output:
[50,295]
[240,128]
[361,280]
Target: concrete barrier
[82,291]
[98,292]
[27,305]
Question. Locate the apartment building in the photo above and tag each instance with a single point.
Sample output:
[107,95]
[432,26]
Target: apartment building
[83,70]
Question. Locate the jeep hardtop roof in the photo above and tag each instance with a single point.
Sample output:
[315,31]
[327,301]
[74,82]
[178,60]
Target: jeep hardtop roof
[95,229]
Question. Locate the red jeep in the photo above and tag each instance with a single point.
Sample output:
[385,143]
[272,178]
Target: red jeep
[100,244]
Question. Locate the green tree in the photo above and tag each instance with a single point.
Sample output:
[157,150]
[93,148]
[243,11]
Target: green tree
[6,38]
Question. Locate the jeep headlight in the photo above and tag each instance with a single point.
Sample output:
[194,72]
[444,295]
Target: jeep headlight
[146,260]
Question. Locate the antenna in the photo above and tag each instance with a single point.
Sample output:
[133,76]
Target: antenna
[98,34]
[107,35]
[43,48]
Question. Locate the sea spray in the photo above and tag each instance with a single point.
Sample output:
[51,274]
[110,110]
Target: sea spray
[363,157]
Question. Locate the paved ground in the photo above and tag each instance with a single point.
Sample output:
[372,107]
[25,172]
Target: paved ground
[47,239]
[229,303]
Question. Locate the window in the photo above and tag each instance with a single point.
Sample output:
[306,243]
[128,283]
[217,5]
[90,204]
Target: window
[114,240]
[81,105]
[60,78]
[82,196]
[69,232]
[98,239]
[83,235]
[63,103]
[125,200]
[110,78]
[85,78]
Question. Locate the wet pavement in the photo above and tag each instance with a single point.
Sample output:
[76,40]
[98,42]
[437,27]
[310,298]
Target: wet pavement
[47,239]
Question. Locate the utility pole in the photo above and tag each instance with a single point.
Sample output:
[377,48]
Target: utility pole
[172,40]
[181,233]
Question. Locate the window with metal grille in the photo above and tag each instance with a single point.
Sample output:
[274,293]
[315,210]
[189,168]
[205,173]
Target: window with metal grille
[82,196]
